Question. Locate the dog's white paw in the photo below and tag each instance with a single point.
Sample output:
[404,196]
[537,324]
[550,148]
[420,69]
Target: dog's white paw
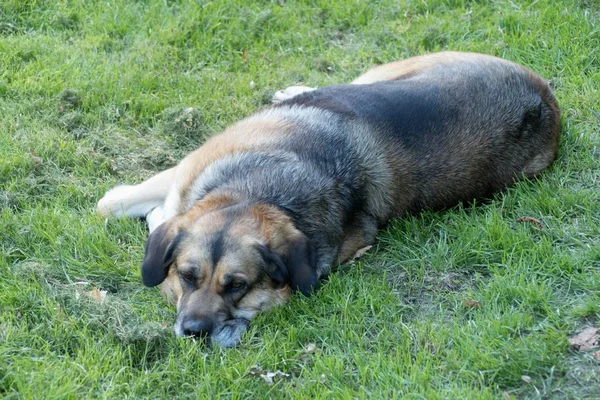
[155,218]
[288,93]
[114,202]
[124,201]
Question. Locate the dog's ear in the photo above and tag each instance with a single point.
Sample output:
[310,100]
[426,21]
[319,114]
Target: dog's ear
[161,247]
[275,267]
[297,267]
[301,264]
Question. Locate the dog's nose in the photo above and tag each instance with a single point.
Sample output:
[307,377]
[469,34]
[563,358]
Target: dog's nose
[198,327]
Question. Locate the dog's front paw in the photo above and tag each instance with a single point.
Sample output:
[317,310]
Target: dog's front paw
[115,202]
[155,217]
[288,93]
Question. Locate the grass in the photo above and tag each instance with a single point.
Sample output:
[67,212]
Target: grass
[467,303]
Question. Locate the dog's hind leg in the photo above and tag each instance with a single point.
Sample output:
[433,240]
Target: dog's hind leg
[137,200]
[414,65]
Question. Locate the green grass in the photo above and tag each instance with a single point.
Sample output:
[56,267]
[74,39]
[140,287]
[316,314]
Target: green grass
[450,305]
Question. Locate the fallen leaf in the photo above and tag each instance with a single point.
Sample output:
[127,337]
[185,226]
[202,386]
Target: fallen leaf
[255,370]
[311,348]
[532,220]
[359,253]
[587,339]
[451,281]
[36,160]
[472,303]
[526,379]
[506,396]
[307,351]
[97,295]
[596,355]
[268,376]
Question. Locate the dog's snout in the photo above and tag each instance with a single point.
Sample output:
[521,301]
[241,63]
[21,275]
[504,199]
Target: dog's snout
[198,327]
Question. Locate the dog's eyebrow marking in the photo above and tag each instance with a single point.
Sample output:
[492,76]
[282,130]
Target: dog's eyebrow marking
[216,248]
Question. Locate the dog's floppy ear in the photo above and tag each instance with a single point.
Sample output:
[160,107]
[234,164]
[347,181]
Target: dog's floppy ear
[301,264]
[275,267]
[160,253]
[297,267]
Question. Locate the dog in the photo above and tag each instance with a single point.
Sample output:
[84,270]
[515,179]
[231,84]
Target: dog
[269,205]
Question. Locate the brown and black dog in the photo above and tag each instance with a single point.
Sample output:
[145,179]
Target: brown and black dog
[269,205]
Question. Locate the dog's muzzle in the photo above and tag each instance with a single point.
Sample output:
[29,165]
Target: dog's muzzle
[199,328]
[227,333]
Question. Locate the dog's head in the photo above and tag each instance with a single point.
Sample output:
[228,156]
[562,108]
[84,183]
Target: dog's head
[223,265]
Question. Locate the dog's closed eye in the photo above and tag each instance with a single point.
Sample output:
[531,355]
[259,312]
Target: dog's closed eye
[234,286]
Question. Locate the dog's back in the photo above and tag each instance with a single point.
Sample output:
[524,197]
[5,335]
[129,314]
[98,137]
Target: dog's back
[452,132]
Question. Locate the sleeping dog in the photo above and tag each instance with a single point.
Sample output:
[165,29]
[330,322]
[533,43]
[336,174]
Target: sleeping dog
[269,205]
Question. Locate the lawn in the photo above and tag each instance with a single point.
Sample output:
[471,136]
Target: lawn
[470,303]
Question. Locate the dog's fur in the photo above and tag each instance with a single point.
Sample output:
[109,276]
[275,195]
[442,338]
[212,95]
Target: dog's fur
[270,204]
